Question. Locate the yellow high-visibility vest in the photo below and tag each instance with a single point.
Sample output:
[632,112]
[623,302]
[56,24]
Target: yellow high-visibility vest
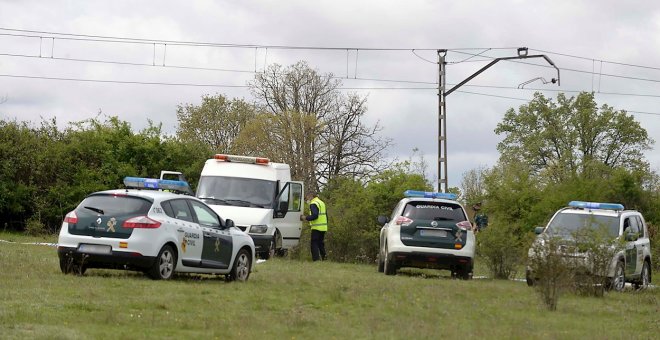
[320,223]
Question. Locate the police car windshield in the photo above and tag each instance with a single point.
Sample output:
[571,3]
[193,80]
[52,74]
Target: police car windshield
[242,192]
[567,224]
[438,211]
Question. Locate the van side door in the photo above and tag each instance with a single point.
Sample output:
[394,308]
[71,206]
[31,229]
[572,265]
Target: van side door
[287,212]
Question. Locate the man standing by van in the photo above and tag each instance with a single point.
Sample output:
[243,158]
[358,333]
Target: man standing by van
[318,220]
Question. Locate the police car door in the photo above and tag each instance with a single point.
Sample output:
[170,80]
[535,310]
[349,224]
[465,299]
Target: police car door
[187,231]
[218,246]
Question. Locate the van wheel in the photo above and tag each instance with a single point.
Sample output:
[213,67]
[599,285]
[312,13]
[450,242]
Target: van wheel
[267,255]
[163,267]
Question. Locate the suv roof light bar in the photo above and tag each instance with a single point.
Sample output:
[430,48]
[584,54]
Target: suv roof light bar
[157,184]
[429,194]
[595,205]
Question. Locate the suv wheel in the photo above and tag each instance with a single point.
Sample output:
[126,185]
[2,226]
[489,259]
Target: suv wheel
[618,282]
[645,278]
[381,263]
[464,273]
[389,267]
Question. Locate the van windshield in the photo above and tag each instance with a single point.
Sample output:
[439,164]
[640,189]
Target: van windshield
[242,192]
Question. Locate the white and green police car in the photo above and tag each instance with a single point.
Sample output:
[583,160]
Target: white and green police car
[149,227]
[427,230]
[631,264]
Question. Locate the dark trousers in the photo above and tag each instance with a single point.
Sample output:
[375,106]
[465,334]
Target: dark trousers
[317,245]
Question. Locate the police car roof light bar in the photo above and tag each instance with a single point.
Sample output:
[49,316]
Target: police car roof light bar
[429,194]
[154,183]
[595,205]
[242,159]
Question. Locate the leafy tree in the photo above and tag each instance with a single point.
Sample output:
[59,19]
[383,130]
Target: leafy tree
[215,123]
[571,136]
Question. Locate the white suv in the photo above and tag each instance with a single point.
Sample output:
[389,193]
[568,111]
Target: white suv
[427,230]
[154,231]
[632,264]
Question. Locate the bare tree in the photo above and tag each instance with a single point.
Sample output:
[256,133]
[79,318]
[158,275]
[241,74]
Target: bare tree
[320,130]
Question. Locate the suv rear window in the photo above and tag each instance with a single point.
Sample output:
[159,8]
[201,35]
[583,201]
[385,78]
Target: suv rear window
[438,211]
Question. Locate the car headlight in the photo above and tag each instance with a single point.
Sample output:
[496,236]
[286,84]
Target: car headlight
[258,229]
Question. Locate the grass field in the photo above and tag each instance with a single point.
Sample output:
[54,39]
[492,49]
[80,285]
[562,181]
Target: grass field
[290,299]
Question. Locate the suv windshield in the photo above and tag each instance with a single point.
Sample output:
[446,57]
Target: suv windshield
[438,211]
[566,224]
[244,192]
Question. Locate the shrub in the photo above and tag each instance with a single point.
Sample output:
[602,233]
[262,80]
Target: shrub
[501,246]
[35,227]
[552,274]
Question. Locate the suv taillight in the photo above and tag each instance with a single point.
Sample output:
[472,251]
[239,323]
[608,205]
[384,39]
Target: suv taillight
[403,221]
[71,218]
[465,225]
[141,222]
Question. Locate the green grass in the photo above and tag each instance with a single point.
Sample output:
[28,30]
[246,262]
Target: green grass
[297,300]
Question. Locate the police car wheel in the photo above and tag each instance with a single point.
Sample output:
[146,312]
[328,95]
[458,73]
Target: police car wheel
[241,269]
[163,267]
[69,265]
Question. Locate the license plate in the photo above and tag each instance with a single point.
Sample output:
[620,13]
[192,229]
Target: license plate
[94,249]
[433,233]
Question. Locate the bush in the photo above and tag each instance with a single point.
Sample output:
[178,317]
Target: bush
[35,227]
[502,247]
[552,274]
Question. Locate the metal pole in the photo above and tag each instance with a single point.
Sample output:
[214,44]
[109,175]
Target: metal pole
[442,122]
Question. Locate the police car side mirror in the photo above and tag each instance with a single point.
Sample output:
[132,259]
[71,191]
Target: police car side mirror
[382,220]
[229,223]
[538,230]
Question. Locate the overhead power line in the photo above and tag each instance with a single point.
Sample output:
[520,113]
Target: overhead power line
[102,38]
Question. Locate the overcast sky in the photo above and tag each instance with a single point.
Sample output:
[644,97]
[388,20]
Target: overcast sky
[611,37]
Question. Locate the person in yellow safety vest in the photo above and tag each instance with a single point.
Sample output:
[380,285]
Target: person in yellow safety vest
[318,221]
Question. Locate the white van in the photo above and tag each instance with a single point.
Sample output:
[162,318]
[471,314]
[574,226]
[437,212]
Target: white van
[259,196]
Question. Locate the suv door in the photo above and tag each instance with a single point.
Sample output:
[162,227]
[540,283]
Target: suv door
[642,244]
[630,227]
[218,245]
